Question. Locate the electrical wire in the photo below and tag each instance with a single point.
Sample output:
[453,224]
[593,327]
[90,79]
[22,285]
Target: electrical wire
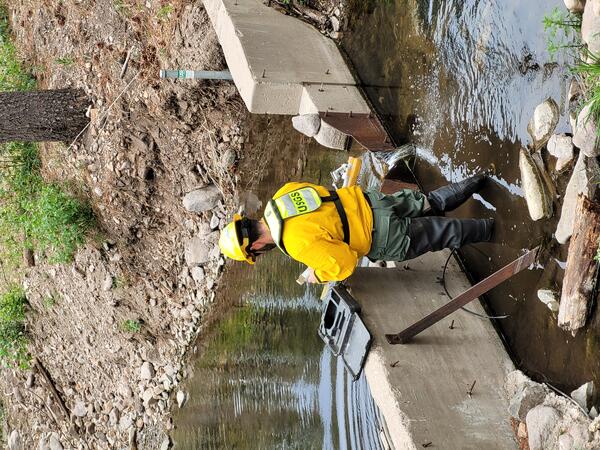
[568,397]
[482,316]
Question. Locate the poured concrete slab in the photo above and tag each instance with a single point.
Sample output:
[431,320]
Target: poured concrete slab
[424,396]
[280,64]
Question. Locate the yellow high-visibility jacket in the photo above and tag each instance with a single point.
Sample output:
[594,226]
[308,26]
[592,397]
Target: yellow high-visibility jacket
[316,238]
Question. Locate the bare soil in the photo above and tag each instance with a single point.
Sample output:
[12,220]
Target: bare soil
[150,142]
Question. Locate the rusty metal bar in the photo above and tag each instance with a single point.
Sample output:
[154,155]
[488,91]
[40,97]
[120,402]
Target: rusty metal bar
[466,297]
[365,128]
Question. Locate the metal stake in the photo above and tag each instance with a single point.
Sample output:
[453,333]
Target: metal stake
[466,297]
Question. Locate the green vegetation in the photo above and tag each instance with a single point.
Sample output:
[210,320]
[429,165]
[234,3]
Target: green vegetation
[119,282]
[121,7]
[65,61]
[563,34]
[164,12]
[13,341]
[131,326]
[49,301]
[33,213]
[561,28]
[12,76]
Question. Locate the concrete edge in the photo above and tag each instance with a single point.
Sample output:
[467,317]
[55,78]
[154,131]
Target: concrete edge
[383,394]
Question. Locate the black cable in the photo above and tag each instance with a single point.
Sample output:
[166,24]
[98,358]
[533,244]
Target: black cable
[482,316]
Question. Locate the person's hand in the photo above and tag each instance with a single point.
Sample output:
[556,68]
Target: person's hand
[311,278]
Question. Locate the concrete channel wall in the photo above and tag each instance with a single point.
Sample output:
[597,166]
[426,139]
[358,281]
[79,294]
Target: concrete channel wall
[280,64]
[422,387]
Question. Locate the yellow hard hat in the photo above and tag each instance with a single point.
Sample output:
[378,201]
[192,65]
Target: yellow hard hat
[234,241]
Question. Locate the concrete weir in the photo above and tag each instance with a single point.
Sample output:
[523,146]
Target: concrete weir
[422,388]
[282,65]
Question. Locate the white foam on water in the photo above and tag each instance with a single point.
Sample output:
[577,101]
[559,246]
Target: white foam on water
[485,203]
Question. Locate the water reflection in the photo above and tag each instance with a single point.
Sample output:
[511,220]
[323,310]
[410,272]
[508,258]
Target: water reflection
[266,382]
[263,379]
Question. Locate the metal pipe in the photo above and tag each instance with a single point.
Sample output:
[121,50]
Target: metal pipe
[197,74]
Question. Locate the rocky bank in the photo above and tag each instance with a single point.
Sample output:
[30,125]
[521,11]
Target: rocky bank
[542,419]
[161,163]
[159,166]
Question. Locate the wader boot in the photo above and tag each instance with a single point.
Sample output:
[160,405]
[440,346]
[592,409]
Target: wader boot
[450,197]
[430,234]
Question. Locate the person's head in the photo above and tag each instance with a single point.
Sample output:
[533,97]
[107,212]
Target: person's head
[244,239]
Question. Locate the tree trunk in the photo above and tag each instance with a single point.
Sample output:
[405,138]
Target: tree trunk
[55,115]
[581,274]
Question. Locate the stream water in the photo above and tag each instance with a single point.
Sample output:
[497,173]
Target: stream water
[460,79]
[263,379]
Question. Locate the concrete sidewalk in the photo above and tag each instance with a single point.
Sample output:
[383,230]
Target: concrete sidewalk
[424,396]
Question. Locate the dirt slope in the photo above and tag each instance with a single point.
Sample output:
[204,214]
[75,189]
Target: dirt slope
[150,143]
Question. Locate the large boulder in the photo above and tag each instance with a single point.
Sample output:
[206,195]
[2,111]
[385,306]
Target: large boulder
[561,147]
[542,124]
[147,371]
[535,186]
[331,137]
[201,249]
[578,184]
[586,134]
[14,441]
[529,396]
[196,251]
[542,427]
[583,395]
[590,27]
[575,6]
[307,124]
[203,199]
[79,410]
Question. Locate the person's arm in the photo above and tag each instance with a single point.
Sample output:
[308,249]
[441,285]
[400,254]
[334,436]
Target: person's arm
[330,260]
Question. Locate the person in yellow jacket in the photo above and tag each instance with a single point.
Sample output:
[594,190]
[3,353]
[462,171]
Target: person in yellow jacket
[330,231]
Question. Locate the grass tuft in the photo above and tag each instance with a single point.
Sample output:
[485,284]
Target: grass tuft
[35,214]
[561,29]
[131,326]
[12,75]
[13,340]
[164,12]
[65,61]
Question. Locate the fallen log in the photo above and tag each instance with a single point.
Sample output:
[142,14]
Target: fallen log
[581,275]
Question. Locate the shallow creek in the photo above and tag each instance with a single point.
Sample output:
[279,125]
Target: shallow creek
[460,78]
[262,378]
